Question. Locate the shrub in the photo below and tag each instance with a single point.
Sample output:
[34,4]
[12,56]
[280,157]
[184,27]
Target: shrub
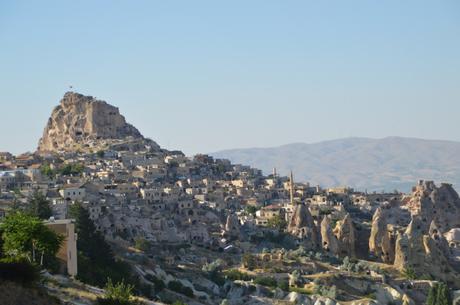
[100,153]
[251,210]
[330,292]
[283,285]
[119,291]
[39,206]
[72,169]
[277,222]
[46,170]
[159,285]
[214,266]
[217,278]
[179,288]
[236,275]
[409,273]
[142,244]
[187,291]
[146,290]
[118,294]
[439,295]
[102,301]
[265,281]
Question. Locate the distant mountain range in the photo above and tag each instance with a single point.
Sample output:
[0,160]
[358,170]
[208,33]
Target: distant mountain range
[363,163]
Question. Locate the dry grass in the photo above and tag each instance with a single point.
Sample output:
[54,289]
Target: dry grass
[15,294]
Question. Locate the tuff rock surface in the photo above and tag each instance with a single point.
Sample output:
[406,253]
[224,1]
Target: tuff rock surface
[80,122]
[441,204]
[381,242]
[424,254]
[346,236]
[302,225]
[329,241]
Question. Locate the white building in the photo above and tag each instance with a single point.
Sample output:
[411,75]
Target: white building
[73,192]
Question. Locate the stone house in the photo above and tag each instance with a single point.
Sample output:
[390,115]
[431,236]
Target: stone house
[73,192]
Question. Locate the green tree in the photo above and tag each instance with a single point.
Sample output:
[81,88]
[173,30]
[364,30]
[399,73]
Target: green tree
[96,261]
[39,206]
[46,170]
[277,222]
[142,244]
[409,273]
[283,285]
[26,236]
[443,295]
[432,295]
[72,169]
[439,295]
[250,209]
[100,154]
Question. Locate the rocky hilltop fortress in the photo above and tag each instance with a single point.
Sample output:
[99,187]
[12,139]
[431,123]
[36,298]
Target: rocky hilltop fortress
[206,231]
[81,123]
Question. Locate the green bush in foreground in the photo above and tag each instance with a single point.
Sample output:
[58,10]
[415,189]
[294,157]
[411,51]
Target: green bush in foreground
[118,294]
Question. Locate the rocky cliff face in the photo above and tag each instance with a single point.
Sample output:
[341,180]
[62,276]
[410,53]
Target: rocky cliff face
[441,204]
[380,244]
[346,236]
[232,226]
[424,253]
[81,122]
[339,240]
[303,227]
[329,241]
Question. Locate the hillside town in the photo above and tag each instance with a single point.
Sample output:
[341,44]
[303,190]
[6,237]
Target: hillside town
[271,239]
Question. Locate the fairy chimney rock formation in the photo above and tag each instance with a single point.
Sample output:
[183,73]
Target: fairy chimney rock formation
[424,254]
[346,236]
[329,241]
[303,226]
[380,241]
[232,226]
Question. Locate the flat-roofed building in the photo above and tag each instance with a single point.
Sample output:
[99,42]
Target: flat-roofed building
[67,254]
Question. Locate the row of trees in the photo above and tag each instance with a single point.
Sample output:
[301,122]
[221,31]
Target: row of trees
[66,169]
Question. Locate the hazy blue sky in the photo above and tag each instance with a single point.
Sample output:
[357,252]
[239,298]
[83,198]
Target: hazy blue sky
[208,75]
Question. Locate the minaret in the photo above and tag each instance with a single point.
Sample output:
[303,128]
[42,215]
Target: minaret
[274,172]
[291,188]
